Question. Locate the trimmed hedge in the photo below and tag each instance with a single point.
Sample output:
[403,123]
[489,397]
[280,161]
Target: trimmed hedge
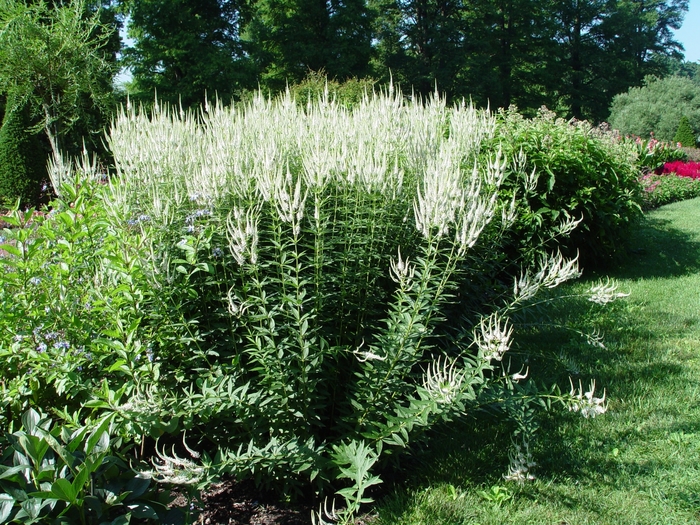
[22,158]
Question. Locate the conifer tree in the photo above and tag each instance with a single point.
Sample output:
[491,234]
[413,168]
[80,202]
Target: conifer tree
[685,134]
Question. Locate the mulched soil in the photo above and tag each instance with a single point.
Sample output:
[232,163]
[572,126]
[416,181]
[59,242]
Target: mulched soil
[240,503]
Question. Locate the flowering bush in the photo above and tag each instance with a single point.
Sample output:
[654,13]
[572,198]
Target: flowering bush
[667,188]
[652,153]
[579,173]
[283,283]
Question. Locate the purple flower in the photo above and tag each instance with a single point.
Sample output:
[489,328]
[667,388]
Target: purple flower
[62,345]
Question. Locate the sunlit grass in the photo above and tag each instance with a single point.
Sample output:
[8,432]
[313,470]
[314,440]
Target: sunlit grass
[637,464]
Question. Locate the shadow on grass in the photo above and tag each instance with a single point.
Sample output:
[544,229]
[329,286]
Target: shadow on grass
[634,361]
[660,250]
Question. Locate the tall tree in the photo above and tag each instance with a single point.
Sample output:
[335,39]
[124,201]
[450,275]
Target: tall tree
[607,46]
[56,59]
[184,49]
[289,38]
[494,51]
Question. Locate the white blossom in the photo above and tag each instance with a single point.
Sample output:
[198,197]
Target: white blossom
[401,270]
[585,402]
[605,292]
[493,337]
[443,380]
[521,464]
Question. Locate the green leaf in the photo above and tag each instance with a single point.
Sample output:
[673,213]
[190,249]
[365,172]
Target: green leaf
[10,472]
[83,474]
[64,491]
[99,438]
[30,420]
[119,520]
[7,502]
[32,507]
[142,511]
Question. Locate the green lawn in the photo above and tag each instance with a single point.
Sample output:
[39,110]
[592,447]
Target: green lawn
[637,464]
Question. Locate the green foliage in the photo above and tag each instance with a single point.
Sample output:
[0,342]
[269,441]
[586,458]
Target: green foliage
[665,189]
[289,38]
[185,51]
[583,173]
[54,55]
[22,157]
[657,107]
[685,134]
[317,86]
[572,56]
[589,471]
[652,154]
[58,475]
[283,282]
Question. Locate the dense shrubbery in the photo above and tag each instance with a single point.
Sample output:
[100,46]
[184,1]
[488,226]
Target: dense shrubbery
[585,174]
[286,283]
[675,181]
[667,188]
[22,157]
[657,107]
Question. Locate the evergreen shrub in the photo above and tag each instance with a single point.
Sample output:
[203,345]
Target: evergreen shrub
[685,135]
[22,158]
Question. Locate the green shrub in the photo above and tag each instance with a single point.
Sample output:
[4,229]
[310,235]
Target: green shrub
[59,475]
[580,173]
[685,135]
[317,85]
[656,107]
[22,158]
[667,188]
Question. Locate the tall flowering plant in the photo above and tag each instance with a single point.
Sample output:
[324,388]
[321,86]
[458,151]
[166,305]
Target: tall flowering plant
[279,282]
[653,153]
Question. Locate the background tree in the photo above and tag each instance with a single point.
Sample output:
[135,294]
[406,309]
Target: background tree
[289,38]
[657,107]
[185,48]
[53,57]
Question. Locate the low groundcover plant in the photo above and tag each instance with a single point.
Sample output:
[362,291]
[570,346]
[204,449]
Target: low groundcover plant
[282,283]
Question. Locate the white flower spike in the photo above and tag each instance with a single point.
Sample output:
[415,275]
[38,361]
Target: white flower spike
[585,402]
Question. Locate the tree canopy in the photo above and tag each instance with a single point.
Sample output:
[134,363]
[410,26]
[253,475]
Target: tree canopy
[572,55]
[57,58]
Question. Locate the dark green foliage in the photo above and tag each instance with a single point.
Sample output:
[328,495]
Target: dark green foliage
[289,38]
[583,173]
[64,475]
[573,56]
[685,134]
[61,59]
[22,158]
[185,50]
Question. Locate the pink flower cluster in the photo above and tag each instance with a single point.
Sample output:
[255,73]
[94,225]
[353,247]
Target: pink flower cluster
[684,169]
